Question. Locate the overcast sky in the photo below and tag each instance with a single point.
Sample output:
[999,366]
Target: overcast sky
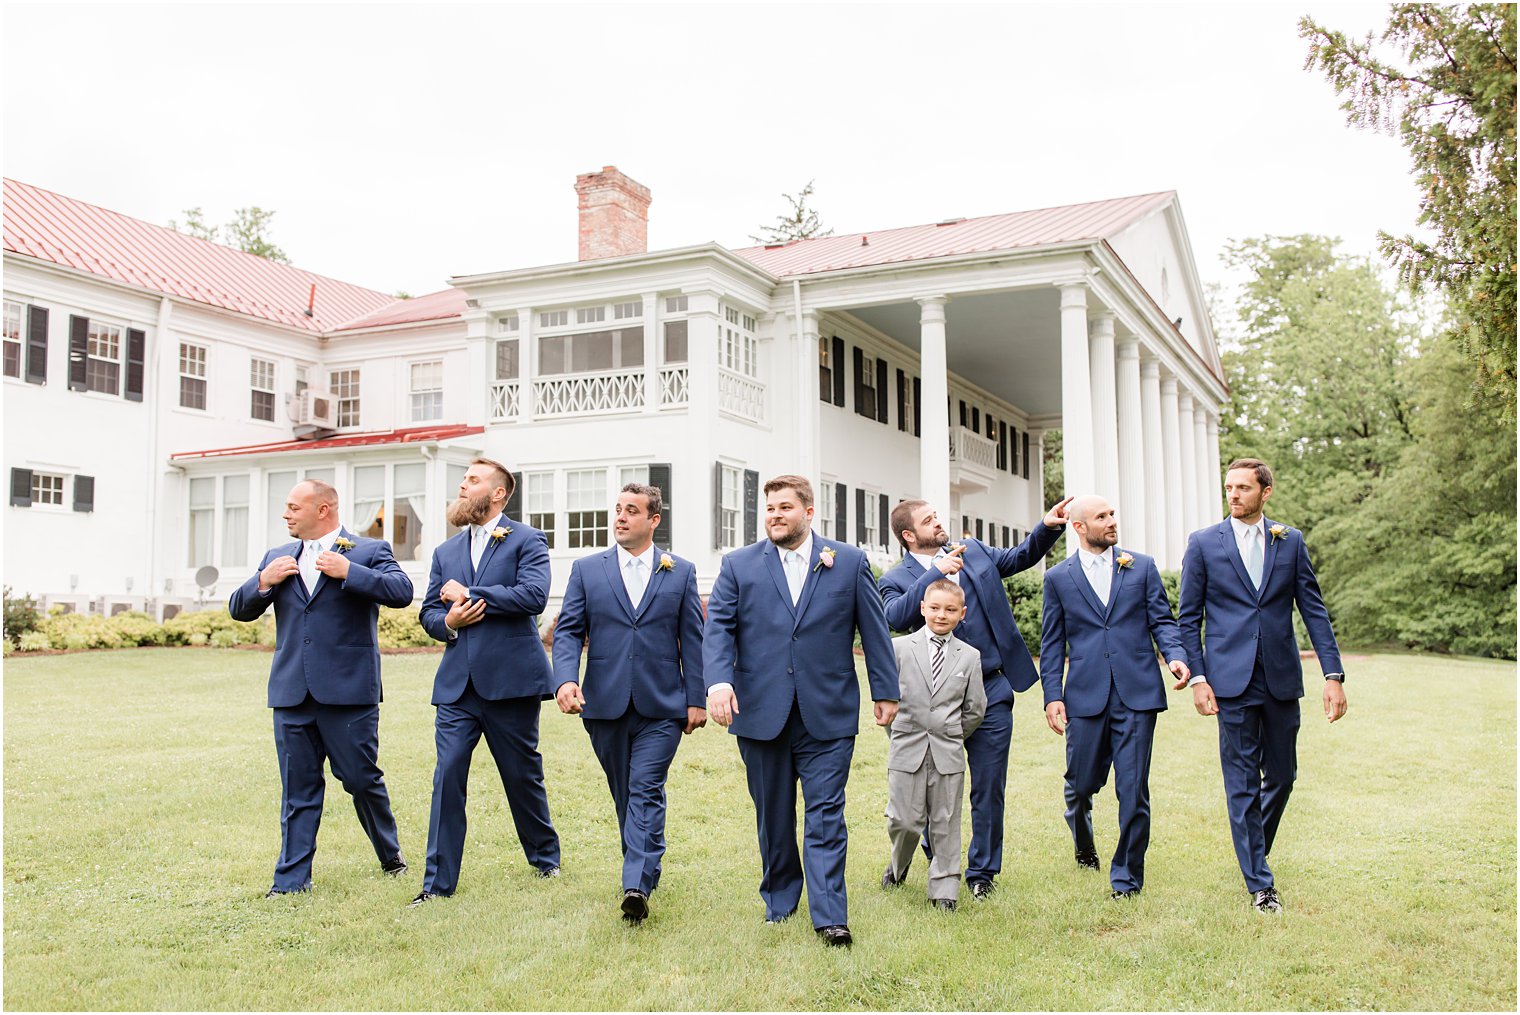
[402,144]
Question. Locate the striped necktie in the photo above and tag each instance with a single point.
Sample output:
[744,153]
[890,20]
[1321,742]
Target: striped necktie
[936,663]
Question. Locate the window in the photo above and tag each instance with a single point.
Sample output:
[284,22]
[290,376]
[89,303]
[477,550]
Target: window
[908,421]
[408,508]
[192,376]
[47,489]
[102,370]
[868,392]
[507,323]
[591,351]
[553,318]
[202,519]
[825,371]
[675,341]
[586,507]
[824,516]
[628,311]
[303,378]
[731,507]
[12,339]
[868,520]
[235,521]
[538,496]
[633,474]
[736,348]
[276,490]
[369,501]
[427,391]
[675,304]
[261,383]
[507,365]
[590,315]
[345,388]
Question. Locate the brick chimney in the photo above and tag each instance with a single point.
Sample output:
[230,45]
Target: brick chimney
[614,214]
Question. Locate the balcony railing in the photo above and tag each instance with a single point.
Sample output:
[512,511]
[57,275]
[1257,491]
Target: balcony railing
[673,387]
[505,405]
[581,394]
[971,448]
[741,396]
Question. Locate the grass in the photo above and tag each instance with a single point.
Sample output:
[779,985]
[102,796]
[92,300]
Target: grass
[141,826]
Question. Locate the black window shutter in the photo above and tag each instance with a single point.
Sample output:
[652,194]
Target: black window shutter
[860,385]
[659,476]
[21,488]
[84,493]
[36,345]
[136,343]
[976,420]
[1013,465]
[965,525]
[836,364]
[882,535]
[881,391]
[965,417]
[918,403]
[860,517]
[515,499]
[902,401]
[1026,454]
[978,528]
[751,505]
[841,510]
[1002,445]
[717,506]
[79,342]
[1005,536]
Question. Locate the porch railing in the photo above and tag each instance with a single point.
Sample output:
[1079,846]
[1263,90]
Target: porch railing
[972,448]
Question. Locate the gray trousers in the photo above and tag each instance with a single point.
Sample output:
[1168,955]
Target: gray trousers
[926,797]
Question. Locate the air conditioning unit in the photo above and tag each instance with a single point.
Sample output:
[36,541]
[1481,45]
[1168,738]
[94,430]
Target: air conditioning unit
[312,411]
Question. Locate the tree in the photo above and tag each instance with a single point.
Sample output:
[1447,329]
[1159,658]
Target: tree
[195,225]
[800,223]
[248,231]
[1449,85]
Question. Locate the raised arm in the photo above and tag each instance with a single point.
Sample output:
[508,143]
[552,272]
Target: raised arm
[531,593]
[381,580]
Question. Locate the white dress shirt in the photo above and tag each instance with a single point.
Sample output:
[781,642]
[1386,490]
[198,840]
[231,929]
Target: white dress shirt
[635,580]
[926,561]
[480,537]
[1243,539]
[806,552]
[1099,569]
[309,550]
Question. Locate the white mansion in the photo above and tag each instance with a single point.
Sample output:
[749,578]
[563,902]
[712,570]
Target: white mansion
[163,393]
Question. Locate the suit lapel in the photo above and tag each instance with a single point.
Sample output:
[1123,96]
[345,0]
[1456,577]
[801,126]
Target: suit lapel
[1269,554]
[322,578]
[295,550]
[615,581]
[810,579]
[655,576]
[920,655]
[485,555]
[1114,582]
[1232,551]
[772,555]
[1078,577]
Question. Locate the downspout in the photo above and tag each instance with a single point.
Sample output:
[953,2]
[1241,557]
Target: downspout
[156,474]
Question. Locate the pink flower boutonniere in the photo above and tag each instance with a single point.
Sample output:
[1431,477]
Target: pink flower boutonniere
[825,558]
[1278,532]
[500,532]
[340,544]
[1124,560]
[667,563]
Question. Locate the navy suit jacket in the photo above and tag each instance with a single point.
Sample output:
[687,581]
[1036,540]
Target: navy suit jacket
[501,655]
[1110,645]
[774,653]
[325,643]
[902,590]
[1236,621]
[650,655]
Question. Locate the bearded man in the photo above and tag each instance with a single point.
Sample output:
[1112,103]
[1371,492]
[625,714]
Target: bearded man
[488,585]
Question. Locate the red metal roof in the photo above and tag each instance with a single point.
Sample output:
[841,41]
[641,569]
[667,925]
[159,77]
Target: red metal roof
[411,435]
[62,230]
[1096,220]
[432,307]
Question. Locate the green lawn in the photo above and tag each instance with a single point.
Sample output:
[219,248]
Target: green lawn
[141,826]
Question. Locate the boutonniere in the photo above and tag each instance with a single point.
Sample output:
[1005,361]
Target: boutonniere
[1124,560]
[341,544]
[500,532]
[1278,532]
[667,563]
[825,558]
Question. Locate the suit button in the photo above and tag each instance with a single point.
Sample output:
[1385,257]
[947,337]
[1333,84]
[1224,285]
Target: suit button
[790,670]
[308,641]
[1105,655]
[794,637]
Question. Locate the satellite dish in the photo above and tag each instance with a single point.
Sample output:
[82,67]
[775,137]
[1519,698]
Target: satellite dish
[206,577]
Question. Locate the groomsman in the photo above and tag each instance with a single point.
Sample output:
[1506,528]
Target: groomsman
[1108,605]
[489,583]
[324,682]
[1240,582]
[637,609]
[979,570]
[778,657]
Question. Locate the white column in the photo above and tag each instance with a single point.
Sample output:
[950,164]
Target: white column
[1171,451]
[527,363]
[1155,467]
[1202,482]
[1105,413]
[934,437]
[1189,500]
[1213,503]
[809,443]
[652,350]
[1076,392]
[477,344]
[1131,506]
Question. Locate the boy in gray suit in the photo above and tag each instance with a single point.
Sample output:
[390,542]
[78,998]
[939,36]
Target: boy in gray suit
[942,704]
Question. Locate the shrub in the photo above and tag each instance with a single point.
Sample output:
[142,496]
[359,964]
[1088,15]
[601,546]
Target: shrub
[197,628]
[402,628]
[34,641]
[224,638]
[21,616]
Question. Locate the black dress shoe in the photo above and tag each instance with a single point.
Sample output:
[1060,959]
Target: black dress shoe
[1124,894]
[635,905]
[836,936]
[1266,901]
[275,893]
[980,890]
[551,871]
[423,896]
[395,866]
[889,880]
[1088,859]
[948,905]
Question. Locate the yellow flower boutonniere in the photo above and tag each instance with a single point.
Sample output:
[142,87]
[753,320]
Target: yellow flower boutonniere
[1278,532]
[667,563]
[500,532]
[825,558]
[341,544]
[1124,560]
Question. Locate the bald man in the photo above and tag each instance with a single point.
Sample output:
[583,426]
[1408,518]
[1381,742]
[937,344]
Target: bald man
[1106,605]
[324,684]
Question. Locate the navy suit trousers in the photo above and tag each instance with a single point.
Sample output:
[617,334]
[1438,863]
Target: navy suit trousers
[347,736]
[636,753]
[773,769]
[510,727]
[987,757]
[1119,737]
[1258,753]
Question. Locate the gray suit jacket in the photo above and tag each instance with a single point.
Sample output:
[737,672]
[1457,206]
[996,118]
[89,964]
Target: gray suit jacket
[937,723]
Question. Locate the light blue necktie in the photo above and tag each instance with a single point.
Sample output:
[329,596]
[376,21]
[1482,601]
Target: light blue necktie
[1253,558]
[795,575]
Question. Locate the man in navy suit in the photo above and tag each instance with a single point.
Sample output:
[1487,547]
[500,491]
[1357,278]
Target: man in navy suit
[778,657]
[324,683]
[637,609]
[1108,605]
[1240,581]
[979,570]
[489,582]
